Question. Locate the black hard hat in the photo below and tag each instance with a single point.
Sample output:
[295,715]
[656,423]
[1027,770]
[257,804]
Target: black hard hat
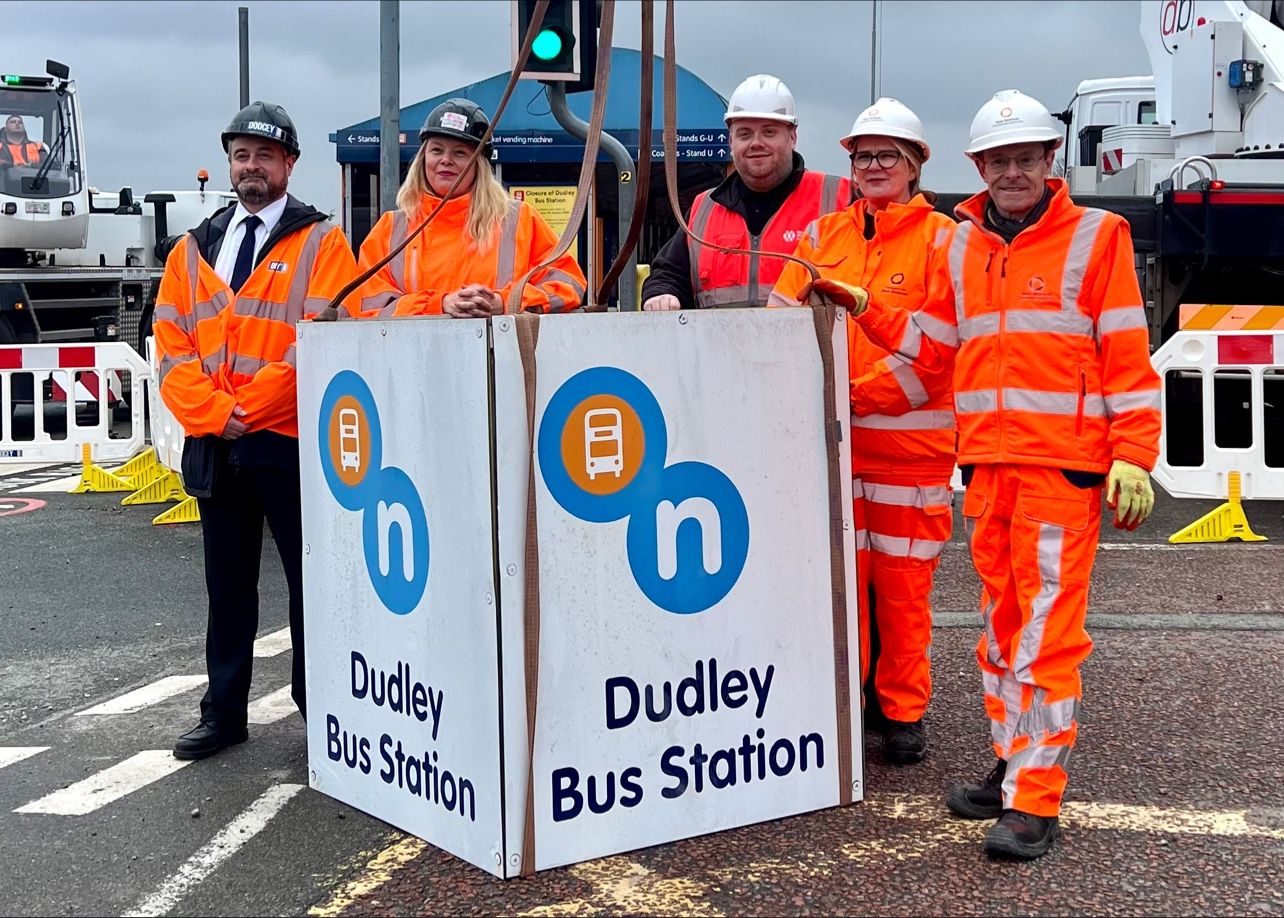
[460,119]
[263,119]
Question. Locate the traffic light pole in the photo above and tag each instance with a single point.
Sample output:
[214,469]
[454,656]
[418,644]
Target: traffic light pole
[625,170]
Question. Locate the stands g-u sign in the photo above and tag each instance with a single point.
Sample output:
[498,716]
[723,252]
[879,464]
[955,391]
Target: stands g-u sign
[394,526]
[602,449]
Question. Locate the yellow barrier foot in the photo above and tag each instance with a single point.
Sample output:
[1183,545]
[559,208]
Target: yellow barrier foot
[1222,524]
[95,478]
[160,490]
[185,511]
[144,465]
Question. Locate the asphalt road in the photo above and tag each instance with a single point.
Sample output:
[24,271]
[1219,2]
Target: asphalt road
[1174,806]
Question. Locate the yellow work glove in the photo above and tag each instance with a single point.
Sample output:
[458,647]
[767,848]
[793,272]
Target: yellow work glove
[818,293]
[1129,494]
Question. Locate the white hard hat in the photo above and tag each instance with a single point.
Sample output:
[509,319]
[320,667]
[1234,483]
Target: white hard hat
[888,118]
[1012,117]
[762,96]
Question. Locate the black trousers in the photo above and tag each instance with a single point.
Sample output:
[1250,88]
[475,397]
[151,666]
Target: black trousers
[232,525]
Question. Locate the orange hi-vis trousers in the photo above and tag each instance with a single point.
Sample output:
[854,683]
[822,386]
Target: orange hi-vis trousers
[1033,536]
[906,526]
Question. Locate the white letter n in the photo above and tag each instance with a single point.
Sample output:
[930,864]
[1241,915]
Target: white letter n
[399,516]
[667,520]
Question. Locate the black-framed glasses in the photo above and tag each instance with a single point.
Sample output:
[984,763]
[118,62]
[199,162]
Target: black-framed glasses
[1026,162]
[886,159]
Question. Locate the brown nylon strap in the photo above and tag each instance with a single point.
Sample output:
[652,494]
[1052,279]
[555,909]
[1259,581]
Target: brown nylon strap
[527,339]
[330,313]
[644,161]
[671,152]
[824,318]
[588,167]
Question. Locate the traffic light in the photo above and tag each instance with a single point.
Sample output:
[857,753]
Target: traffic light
[565,50]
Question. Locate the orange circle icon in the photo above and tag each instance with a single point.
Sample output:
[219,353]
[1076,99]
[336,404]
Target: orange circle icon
[349,440]
[603,444]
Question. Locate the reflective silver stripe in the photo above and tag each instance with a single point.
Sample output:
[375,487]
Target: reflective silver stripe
[862,540]
[934,328]
[166,314]
[723,296]
[813,233]
[297,297]
[1050,546]
[398,265]
[942,234]
[1066,403]
[907,495]
[910,384]
[249,306]
[506,261]
[317,303]
[957,259]
[829,194]
[211,363]
[976,400]
[776,299]
[193,263]
[390,309]
[979,326]
[1046,718]
[378,301]
[699,220]
[168,363]
[905,547]
[1066,322]
[247,366]
[557,303]
[290,354]
[1133,401]
[911,420]
[1121,318]
[1078,255]
[1035,756]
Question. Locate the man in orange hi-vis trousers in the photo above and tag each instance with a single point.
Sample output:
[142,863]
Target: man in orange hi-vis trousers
[232,291]
[902,421]
[1036,303]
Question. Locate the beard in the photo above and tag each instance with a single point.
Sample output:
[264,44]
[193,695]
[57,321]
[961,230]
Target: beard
[258,190]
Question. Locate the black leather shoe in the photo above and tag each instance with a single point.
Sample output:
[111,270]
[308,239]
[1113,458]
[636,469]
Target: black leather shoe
[979,801]
[206,738]
[904,743]
[1021,836]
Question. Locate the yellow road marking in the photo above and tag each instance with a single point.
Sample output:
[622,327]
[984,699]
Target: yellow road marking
[375,874]
[623,884]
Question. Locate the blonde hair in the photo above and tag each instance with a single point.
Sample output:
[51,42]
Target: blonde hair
[486,209]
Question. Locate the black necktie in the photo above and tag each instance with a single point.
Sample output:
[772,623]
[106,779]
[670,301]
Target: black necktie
[245,255]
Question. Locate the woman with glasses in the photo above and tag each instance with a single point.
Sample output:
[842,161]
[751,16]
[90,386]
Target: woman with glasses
[902,420]
[465,263]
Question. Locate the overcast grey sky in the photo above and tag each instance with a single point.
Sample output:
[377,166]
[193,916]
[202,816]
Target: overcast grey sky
[159,81]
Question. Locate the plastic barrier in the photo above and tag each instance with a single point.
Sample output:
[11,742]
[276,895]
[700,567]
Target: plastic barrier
[167,441]
[579,600]
[1223,408]
[38,378]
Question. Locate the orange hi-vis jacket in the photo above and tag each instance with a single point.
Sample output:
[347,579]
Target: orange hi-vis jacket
[23,154]
[442,260]
[720,279]
[1047,335]
[904,416]
[218,349]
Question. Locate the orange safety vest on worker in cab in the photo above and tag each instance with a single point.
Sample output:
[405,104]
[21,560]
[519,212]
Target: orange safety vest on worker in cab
[443,259]
[220,349]
[902,418]
[23,154]
[1048,339]
[721,279]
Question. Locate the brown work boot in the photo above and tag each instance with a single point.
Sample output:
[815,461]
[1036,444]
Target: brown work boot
[1021,836]
[979,801]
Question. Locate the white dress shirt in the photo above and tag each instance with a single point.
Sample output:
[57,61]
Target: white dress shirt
[270,215]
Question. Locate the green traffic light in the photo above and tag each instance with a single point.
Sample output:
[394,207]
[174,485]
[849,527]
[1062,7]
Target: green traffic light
[548,45]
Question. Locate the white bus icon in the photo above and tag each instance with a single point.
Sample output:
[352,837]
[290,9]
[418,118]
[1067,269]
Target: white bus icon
[349,441]
[603,442]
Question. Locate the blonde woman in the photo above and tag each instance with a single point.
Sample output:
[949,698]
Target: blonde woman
[465,263]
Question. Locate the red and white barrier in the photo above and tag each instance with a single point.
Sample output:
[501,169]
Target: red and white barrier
[72,374]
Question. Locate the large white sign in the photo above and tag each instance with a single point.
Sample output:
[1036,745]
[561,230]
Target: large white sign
[686,676]
[400,599]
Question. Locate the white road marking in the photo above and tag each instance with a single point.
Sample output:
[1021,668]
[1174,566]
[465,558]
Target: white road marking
[55,486]
[19,468]
[12,754]
[108,785]
[146,696]
[271,708]
[225,844]
[271,644]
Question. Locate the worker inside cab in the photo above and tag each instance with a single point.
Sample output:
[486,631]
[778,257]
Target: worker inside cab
[17,148]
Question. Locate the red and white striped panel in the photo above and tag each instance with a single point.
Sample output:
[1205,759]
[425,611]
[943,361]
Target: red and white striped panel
[1112,161]
[69,357]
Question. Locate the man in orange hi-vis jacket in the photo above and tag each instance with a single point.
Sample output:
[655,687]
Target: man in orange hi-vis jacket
[232,291]
[1036,302]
